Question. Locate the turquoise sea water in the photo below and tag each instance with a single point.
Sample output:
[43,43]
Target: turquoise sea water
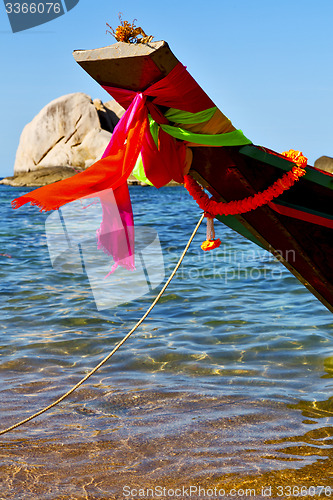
[227,383]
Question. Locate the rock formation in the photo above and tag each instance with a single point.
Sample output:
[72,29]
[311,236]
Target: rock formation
[324,163]
[66,136]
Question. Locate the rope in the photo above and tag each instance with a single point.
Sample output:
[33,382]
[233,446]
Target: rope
[94,370]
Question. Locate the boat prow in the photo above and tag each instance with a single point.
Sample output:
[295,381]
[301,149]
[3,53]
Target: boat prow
[129,66]
[297,226]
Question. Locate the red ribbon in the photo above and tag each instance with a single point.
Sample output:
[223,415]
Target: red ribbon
[162,163]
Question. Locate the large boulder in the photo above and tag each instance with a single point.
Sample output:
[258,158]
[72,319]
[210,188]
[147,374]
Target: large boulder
[324,163]
[71,131]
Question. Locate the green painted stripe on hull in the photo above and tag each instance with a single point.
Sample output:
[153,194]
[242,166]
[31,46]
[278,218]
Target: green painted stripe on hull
[236,225]
[312,174]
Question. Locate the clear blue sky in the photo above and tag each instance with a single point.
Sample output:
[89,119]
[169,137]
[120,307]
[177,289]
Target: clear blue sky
[266,64]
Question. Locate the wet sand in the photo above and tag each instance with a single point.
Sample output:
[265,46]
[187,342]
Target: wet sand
[227,385]
[173,444]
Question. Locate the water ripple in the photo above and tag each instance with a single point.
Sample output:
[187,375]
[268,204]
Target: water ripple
[230,374]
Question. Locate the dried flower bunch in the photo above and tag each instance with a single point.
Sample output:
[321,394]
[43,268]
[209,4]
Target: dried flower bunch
[129,33]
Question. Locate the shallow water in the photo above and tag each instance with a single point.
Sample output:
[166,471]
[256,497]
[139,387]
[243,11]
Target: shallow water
[227,384]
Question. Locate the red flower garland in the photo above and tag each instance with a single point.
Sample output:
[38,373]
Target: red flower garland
[214,208]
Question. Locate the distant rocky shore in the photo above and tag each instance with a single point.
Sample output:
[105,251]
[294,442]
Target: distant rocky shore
[48,175]
[37,178]
[70,134]
[67,136]
[324,163]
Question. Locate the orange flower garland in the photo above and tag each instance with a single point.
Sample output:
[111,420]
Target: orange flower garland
[214,208]
[297,157]
[210,244]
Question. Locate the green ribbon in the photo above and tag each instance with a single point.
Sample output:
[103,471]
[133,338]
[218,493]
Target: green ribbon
[139,171]
[179,116]
[234,138]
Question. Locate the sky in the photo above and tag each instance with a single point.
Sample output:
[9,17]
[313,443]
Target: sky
[266,64]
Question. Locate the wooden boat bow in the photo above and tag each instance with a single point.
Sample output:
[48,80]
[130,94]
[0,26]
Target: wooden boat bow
[297,227]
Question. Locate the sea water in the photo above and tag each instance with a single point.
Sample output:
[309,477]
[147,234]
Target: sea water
[225,389]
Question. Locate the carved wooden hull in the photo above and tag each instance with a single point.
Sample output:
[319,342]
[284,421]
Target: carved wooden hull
[297,227]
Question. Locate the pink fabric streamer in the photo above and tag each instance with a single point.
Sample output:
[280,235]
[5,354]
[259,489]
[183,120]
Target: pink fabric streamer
[163,162]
